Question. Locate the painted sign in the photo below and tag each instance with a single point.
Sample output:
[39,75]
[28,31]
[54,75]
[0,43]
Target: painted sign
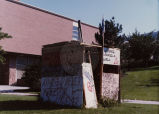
[75,32]
[66,90]
[89,87]
[111,56]
[110,85]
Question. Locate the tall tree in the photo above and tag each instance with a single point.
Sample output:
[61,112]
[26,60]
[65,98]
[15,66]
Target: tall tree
[3,35]
[156,50]
[141,46]
[112,37]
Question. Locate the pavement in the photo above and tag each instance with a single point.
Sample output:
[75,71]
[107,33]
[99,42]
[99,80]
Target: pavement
[6,88]
[140,102]
[13,90]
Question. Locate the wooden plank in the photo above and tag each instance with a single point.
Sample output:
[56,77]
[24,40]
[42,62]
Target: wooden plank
[89,87]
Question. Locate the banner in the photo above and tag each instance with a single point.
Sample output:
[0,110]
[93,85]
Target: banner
[111,56]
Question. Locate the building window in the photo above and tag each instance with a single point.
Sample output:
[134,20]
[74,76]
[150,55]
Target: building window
[21,64]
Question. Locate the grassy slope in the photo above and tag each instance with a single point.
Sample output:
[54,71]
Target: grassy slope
[141,84]
[30,105]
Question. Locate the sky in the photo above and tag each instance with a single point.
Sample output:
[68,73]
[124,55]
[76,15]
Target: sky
[140,15]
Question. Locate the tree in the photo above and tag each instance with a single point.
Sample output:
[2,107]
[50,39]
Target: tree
[141,47]
[2,52]
[112,37]
[156,50]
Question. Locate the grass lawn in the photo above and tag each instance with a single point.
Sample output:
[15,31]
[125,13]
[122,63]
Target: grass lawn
[11,104]
[141,84]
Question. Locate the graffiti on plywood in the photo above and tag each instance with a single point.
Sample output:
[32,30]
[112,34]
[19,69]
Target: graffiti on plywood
[110,85]
[63,90]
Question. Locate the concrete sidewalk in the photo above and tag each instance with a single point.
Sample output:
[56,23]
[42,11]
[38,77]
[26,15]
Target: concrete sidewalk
[6,88]
[140,102]
[12,90]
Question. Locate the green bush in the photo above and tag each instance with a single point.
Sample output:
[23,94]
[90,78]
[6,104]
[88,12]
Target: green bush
[32,76]
[107,102]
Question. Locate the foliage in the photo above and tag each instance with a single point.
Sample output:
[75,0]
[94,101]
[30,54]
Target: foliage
[32,76]
[156,50]
[107,102]
[3,35]
[112,37]
[141,48]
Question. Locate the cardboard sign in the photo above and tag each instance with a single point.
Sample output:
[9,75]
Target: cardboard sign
[110,85]
[111,56]
[66,90]
[89,87]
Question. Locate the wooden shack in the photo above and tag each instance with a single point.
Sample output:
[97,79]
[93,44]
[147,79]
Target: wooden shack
[71,74]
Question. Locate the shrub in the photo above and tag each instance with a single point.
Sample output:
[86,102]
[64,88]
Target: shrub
[32,76]
[107,102]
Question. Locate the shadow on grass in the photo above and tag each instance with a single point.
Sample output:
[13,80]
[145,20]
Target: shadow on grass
[146,68]
[27,91]
[30,105]
[152,83]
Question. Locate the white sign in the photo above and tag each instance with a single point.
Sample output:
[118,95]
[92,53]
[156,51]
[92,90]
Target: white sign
[66,90]
[111,56]
[89,87]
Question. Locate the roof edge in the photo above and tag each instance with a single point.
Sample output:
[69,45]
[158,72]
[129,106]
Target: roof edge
[51,13]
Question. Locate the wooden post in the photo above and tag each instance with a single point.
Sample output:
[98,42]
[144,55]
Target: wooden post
[119,96]
[101,73]
[84,55]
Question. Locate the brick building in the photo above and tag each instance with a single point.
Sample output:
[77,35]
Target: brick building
[31,28]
